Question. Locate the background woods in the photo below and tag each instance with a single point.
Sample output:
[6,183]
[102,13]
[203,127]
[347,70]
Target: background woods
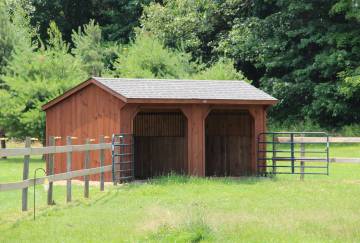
[305,53]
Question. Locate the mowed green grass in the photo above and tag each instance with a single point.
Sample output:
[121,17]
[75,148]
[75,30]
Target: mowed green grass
[187,209]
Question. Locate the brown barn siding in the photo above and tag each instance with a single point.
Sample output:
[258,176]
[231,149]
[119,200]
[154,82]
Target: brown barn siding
[89,113]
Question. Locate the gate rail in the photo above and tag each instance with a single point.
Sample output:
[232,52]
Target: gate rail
[287,153]
[122,153]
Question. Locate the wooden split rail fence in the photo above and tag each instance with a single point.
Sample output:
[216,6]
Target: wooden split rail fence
[50,151]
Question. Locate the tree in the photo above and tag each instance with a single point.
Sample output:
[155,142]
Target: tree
[33,77]
[183,23]
[7,39]
[300,48]
[117,18]
[147,57]
[89,49]
[221,70]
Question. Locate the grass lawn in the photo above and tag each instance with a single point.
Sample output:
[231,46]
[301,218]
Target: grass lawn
[183,209]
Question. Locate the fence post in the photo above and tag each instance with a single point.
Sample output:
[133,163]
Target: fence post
[102,158]
[86,166]
[68,169]
[26,175]
[302,162]
[51,171]
[274,141]
[2,142]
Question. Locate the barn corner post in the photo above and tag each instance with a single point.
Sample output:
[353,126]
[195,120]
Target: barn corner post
[259,126]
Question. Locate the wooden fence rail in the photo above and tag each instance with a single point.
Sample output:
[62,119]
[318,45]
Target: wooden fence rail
[316,140]
[51,150]
[57,177]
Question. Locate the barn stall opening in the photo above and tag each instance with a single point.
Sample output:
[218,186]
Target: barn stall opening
[194,127]
[228,143]
[159,143]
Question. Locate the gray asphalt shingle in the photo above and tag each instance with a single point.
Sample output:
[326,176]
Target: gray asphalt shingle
[184,89]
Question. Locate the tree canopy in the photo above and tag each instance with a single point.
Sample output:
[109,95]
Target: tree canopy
[305,53]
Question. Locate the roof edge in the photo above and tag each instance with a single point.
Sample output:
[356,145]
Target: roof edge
[202,101]
[79,87]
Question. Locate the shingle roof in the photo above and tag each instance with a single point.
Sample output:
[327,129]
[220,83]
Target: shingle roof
[175,91]
[184,89]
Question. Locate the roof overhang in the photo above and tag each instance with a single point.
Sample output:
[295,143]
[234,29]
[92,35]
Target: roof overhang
[152,100]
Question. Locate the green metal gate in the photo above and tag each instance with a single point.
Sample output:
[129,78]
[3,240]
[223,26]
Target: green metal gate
[293,153]
[122,152]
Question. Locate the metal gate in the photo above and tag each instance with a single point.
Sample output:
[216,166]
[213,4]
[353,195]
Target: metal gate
[122,152]
[293,153]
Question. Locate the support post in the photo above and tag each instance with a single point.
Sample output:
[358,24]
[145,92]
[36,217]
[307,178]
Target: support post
[51,171]
[68,169]
[86,166]
[26,175]
[102,159]
[302,162]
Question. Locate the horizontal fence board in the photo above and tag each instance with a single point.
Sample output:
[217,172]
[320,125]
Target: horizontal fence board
[51,178]
[319,139]
[345,160]
[52,149]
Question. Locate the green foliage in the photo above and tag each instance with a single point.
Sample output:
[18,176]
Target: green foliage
[7,37]
[351,8]
[88,47]
[300,59]
[185,23]
[33,78]
[117,18]
[14,29]
[221,70]
[293,126]
[352,130]
[302,52]
[147,57]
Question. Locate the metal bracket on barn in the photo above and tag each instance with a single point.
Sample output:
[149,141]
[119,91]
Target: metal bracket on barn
[122,153]
[293,153]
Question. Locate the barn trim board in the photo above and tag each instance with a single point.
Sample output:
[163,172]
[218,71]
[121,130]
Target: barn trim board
[176,111]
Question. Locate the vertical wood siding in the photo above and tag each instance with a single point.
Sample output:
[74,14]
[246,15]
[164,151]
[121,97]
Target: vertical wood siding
[89,113]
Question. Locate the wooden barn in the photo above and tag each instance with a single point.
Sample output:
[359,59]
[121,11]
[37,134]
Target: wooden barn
[195,127]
